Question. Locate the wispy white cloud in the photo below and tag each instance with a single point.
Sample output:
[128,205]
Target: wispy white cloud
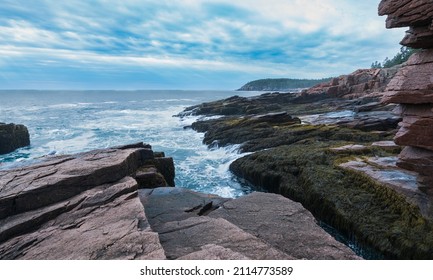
[254,38]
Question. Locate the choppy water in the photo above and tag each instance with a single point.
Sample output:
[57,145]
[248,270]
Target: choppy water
[64,122]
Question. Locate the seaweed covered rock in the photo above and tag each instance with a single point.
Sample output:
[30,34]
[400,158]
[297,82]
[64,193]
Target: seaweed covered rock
[355,204]
[256,133]
[237,105]
[12,137]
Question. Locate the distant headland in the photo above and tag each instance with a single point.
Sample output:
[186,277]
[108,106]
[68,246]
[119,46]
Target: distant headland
[281,84]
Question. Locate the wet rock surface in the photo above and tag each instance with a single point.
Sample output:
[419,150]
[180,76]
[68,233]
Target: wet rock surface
[12,137]
[386,171]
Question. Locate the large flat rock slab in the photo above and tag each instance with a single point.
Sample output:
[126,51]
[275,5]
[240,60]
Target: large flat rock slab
[192,225]
[60,178]
[107,222]
[214,252]
[82,206]
[284,224]
[163,205]
[179,217]
[185,237]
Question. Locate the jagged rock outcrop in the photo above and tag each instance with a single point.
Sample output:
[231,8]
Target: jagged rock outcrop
[417,14]
[359,83]
[412,86]
[82,206]
[12,137]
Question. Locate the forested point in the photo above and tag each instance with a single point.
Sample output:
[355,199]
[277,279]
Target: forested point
[281,84]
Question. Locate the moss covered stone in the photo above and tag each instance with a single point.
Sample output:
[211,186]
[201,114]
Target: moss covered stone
[349,201]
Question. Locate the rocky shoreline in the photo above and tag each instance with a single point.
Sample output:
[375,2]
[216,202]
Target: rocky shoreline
[117,203]
[333,153]
[341,153]
[332,147]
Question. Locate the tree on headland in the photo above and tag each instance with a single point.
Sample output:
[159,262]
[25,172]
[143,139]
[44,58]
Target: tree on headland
[402,56]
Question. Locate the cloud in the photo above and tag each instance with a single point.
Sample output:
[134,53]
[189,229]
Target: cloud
[254,38]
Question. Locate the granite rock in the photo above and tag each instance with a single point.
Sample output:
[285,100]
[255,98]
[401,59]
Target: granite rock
[413,83]
[417,14]
[418,160]
[412,86]
[256,226]
[284,224]
[82,206]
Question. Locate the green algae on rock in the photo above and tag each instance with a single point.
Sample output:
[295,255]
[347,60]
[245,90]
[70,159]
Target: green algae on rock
[349,201]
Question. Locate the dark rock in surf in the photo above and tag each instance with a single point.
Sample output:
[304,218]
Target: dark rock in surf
[12,137]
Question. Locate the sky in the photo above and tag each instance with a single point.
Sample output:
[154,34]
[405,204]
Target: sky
[188,44]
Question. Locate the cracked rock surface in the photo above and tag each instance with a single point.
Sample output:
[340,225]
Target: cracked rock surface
[256,226]
[82,206]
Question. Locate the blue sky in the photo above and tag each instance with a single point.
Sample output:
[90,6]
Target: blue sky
[188,44]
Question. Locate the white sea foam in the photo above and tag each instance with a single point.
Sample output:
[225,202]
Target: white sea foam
[90,121]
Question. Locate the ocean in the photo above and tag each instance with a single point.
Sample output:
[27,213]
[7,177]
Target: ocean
[65,122]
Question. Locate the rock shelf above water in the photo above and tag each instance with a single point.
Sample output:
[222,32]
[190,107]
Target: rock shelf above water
[117,204]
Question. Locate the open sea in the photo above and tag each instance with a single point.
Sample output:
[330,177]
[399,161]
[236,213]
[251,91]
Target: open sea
[65,122]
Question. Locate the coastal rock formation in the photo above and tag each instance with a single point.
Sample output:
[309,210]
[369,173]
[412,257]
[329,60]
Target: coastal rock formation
[12,137]
[255,226]
[82,206]
[412,86]
[359,83]
[269,216]
[116,204]
[299,150]
[416,14]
